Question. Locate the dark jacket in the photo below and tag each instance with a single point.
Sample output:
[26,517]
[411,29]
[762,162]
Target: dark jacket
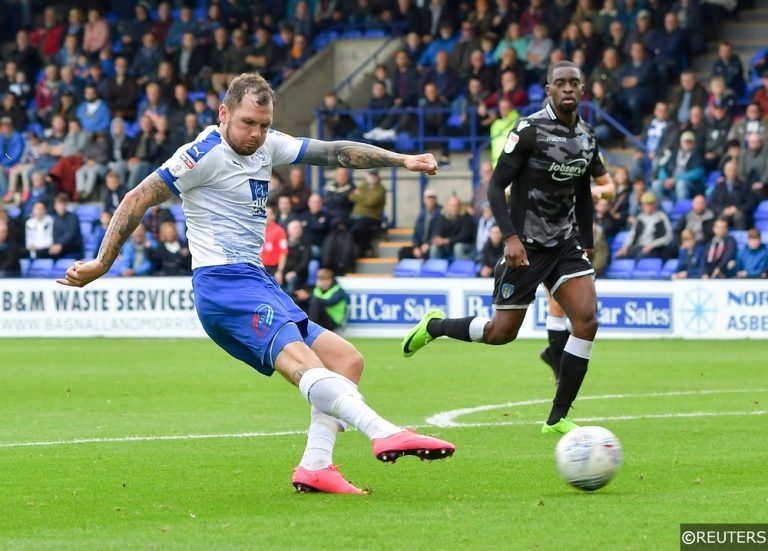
[738,193]
[299,255]
[711,260]
[10,252]
[426,225]
[66,232]
[459,230]
[112,198]
[167,263]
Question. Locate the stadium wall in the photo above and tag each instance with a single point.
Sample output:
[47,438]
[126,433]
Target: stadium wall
[164,307]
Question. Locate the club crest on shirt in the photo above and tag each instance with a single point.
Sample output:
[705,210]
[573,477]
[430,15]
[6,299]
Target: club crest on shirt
[584,142]
[507,289]
[261,156]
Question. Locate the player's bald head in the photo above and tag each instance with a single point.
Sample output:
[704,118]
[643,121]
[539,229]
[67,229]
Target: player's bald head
[245,84]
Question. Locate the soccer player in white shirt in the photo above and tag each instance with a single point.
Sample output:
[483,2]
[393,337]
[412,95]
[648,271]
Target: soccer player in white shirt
[222,178]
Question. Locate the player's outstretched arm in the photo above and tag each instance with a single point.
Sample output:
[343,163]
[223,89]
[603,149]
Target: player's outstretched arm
[151,191]
[351,154]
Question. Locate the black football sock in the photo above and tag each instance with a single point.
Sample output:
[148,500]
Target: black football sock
[573,369]
[455,328]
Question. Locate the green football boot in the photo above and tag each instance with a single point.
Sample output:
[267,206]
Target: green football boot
[418,337]
[561,427]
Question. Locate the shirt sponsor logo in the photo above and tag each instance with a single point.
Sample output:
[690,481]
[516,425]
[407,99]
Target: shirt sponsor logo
[566,171]
[558,139]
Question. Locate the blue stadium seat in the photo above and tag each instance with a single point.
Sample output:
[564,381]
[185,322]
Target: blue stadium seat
[669,268]
[404,142]
[454,120]
[181,227]
[375,33]
[535,92]
[194,95]
[408,267]
[37,128]
[462,268]
[647,268]
[40,267]
[764,236]
[88,213]
[740,236]
[682,206]
[761,212]
[434,267]
[762,226]
[178,212]
[667,205]
[24,264]
[61,266]
[620,268]
[351,34]
[456,144]
[314,266]
[13,212]
[618,241]
[86,230]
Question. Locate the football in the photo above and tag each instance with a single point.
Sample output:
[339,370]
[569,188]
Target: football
[588,457]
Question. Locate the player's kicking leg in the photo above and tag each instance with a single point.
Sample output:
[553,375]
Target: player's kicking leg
[336,396]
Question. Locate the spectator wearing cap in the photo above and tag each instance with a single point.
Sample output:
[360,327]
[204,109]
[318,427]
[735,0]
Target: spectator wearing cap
[716,138]
[733,198]
[11,150]
[424,228]
[651,233]
[719,252]
[683,173]
[368,211]
[641,31]
[752,260]
[753,165]
[687,94]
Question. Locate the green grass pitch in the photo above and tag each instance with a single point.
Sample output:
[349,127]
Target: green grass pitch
[691,454]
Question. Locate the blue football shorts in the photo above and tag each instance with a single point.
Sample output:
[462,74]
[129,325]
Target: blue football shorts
[244,310]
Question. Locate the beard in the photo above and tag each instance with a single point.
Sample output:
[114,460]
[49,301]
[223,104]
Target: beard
[246,149]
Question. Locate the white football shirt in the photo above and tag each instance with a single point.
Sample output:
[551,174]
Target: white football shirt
[224,194]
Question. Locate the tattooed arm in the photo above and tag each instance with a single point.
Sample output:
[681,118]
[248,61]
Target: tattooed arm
[362,155]
[151,191]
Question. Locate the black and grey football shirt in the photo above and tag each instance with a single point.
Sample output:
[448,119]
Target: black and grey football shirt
[549,166]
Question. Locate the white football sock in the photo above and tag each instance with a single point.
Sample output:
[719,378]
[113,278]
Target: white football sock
[321,438]
[337,396]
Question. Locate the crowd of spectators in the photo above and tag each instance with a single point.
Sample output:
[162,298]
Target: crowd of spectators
[95,96]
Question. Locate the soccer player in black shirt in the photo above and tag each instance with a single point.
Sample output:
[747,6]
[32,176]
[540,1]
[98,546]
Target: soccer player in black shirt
[548,160]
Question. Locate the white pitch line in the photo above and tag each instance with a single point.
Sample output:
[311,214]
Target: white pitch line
[431,421]
[171,437]
[447,418]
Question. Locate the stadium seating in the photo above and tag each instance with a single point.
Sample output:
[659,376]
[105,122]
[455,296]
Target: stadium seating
[620,268]
[88,213]
[462,268]
[178,212]
[647,268]
[314,266]
[408,267]
[682,206]
[618,241]
[761,212]
[13,212]
[669,268]
[535,93]
[761,226]
[740,236]
[434,267]
[40,267]
[61,266]
[24,264]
